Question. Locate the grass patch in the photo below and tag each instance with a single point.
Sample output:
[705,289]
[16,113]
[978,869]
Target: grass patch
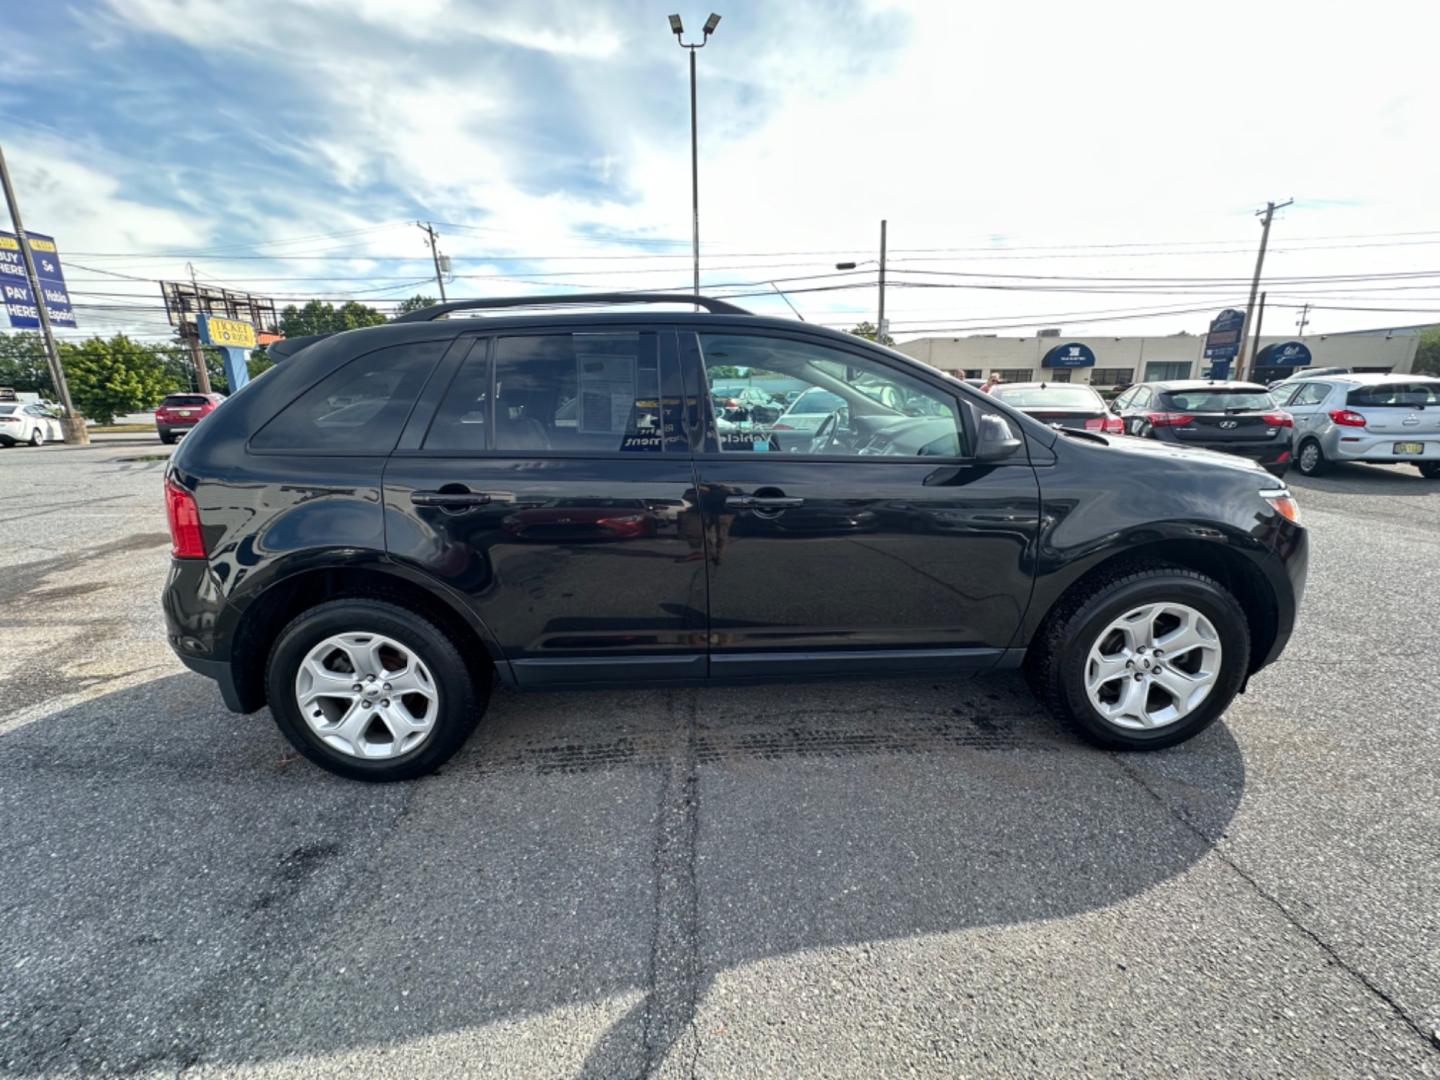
[120,429]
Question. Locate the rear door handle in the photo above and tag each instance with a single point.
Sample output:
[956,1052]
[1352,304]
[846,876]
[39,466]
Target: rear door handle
[450,499]
[762,502]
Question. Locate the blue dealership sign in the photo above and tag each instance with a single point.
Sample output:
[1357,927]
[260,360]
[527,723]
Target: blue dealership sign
[1223,340]
[1289,354]
[1071,354]
[19,301]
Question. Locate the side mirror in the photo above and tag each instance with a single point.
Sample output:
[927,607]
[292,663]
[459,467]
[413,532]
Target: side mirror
[994,439]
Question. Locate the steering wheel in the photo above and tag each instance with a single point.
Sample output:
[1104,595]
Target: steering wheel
[824,437]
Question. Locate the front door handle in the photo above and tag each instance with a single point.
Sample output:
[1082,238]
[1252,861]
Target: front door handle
[762,502]
[451,500]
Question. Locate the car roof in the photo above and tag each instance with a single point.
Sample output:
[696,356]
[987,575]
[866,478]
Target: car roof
[1046,385]
[1375,378]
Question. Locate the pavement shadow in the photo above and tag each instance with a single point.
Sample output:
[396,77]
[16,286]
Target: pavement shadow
[1347,479]
[177,888]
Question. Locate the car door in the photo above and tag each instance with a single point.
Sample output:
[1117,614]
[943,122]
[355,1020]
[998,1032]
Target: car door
[542,479]
[868,541]
[1133,413]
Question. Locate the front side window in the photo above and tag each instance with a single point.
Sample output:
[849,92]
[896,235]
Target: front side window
[359,408]
[786,396]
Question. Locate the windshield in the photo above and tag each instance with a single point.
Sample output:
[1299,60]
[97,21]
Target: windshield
[1053,397]
[1396,395]
[1217,399]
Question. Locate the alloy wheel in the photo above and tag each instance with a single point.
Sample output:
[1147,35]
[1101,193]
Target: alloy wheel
[1153,666]
[367,695]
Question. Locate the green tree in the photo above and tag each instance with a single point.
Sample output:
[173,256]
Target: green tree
[22,363]
[109,378]
[318,317]
[415,303]
[867,331]
[1427,357]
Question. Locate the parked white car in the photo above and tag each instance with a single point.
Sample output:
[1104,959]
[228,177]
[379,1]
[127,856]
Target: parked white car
[32,424]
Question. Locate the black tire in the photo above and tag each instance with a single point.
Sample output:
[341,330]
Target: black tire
[462,697]
[1429,469]
[37,438]
[1319,463]
[1057,660]
[167,437]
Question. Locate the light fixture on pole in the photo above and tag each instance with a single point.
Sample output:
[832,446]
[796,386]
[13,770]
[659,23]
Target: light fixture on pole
[880,324]
[678,29]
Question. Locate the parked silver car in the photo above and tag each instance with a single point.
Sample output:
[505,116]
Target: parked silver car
[1366,418]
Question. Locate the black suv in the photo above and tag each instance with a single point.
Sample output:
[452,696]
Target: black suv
[370,535]
[1232,417]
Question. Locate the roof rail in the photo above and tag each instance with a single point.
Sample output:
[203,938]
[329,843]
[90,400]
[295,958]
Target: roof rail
[435,311]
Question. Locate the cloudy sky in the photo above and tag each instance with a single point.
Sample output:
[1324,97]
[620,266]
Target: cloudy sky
[1092,166]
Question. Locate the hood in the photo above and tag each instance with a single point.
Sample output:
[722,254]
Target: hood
[1130,446]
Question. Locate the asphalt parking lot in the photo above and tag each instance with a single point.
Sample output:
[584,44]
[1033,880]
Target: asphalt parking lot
[837,880]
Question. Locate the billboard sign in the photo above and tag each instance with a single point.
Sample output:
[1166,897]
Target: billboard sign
[19,301]
[1223,340]
[1287,354]
[1070,355]
[227,333]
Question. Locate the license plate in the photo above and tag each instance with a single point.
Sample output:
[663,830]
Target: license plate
[1409,448]
[186,412]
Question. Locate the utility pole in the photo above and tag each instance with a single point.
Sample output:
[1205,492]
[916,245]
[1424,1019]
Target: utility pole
[1267,215]
[1259,323]
[880,326]
[197,354]
[1304,319]
[429,230]
[71,424]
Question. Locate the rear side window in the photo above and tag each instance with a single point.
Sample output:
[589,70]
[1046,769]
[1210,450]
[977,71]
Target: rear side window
[1217,399]
[359,408]
[1396,395]
[1311,394]
[585,392]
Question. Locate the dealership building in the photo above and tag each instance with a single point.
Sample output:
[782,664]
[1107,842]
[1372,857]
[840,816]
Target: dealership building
[1114,361]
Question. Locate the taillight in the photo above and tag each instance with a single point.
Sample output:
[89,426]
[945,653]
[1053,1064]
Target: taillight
[1346,418]
[1279,418]
[1168,419]
[1114,425]
[184,517]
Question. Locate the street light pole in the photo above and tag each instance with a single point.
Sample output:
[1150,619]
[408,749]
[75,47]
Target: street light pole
[678,29]
[72,425]
[880,326]
[1268,214]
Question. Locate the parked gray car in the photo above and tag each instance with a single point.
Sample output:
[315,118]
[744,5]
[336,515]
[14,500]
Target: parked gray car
[1364,418]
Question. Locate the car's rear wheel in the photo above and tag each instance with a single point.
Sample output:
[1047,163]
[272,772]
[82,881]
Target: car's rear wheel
[371,690]
[1429,469]
[1142,659]
[167,437]
[1310,459]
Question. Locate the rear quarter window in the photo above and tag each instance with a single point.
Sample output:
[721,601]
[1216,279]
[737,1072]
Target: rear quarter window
[359,408]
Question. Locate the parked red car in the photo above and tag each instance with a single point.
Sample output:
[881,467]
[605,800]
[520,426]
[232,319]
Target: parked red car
[178,413]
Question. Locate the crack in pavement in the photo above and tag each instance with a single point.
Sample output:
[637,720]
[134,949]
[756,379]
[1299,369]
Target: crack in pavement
[1432,1039]
[674,991]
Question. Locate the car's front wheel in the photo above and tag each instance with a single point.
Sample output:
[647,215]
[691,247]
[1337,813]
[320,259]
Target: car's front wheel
[37,437]
[1430,469]
[371,690]
[1143,658]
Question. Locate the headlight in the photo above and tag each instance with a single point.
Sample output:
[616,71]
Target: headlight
[1284,503]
